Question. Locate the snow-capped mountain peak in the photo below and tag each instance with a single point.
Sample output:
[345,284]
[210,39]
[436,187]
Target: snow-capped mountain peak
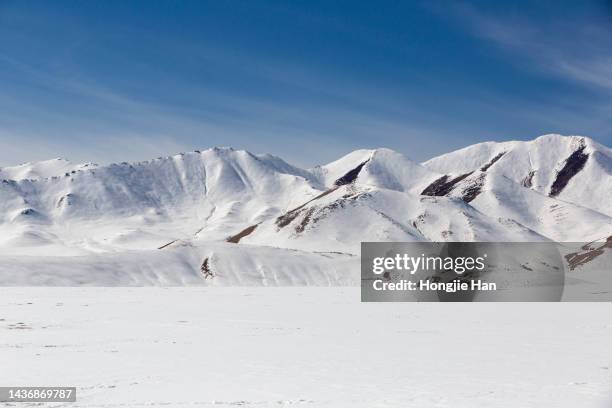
[222,201]
[382,167]
[571,168]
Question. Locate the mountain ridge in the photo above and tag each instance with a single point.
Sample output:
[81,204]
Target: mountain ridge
[237,202]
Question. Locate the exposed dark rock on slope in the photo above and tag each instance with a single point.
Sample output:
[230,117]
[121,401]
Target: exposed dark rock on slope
[528,180]
[473,189]
[572,166]
[492,161]
[443,185]
[247,231]
[589,253]
[350,176]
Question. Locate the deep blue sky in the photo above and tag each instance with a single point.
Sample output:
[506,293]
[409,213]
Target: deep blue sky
[307,80]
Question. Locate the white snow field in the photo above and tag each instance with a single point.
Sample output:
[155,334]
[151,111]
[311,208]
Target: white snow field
[225,217]
[301,347]
[226,223]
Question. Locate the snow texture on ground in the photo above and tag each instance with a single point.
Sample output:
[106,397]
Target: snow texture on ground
[310,347]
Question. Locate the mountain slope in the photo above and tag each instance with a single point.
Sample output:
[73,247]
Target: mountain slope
[43,169]
[574,169]
[556,219]
[382,168]
[350,214]
[215,191]
[246,215]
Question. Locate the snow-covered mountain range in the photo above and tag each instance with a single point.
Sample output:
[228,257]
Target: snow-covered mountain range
[225,216]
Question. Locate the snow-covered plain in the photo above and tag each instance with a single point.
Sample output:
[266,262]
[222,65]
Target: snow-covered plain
[310,347]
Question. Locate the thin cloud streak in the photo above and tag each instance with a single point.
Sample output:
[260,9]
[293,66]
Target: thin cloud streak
[312,127]
[303,111]
[576,51]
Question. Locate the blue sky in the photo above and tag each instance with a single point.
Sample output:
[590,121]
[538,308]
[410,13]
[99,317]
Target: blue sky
[306,80]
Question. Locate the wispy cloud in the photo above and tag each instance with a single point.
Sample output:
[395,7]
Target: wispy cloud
[131,93]
[109,125]
[595,71]
[573,48]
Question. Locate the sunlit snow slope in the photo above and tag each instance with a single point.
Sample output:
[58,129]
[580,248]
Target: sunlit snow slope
[224,216]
